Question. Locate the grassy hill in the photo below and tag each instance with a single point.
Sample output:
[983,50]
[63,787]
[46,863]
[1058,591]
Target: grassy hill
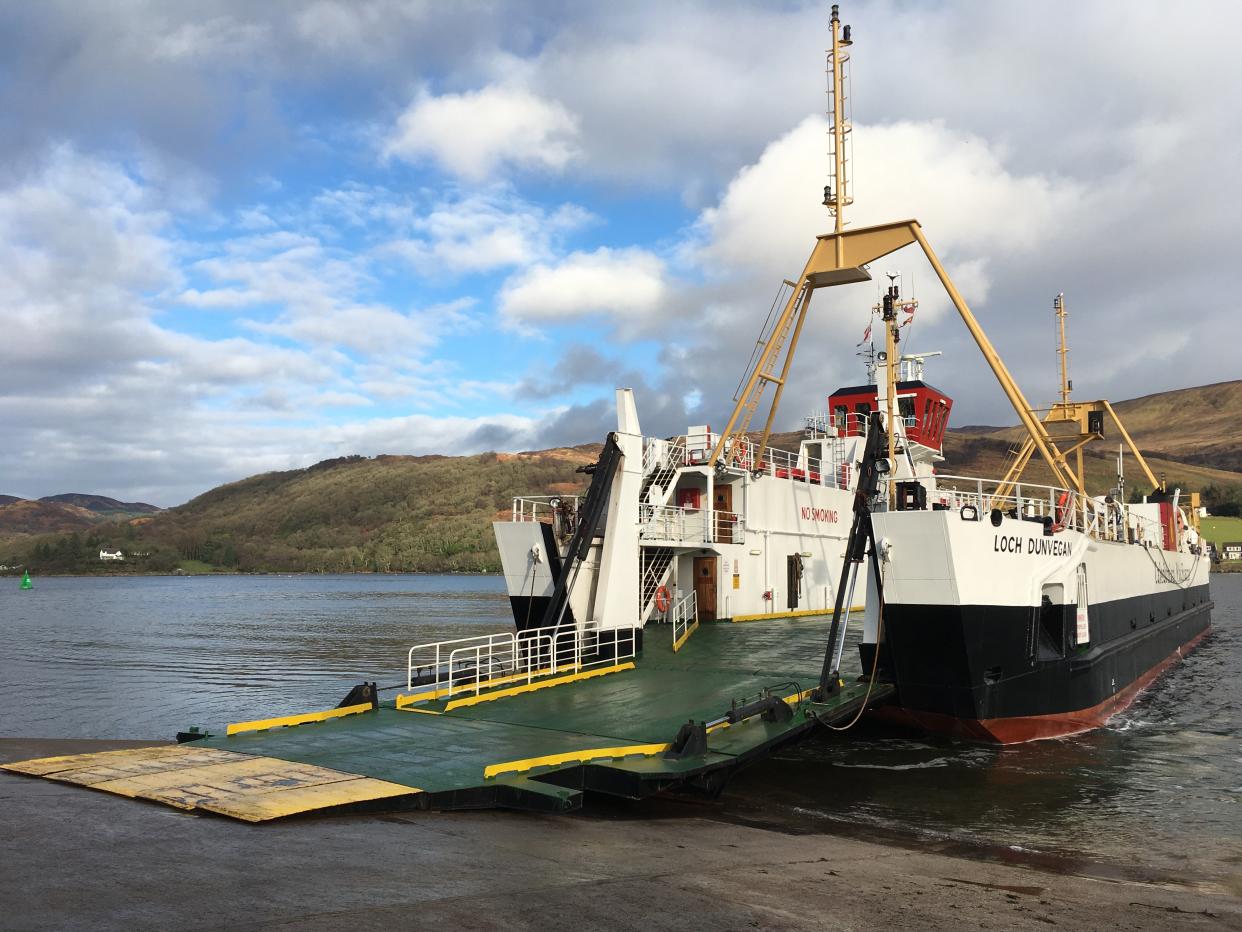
[101,504]
[71,511]
[434,513]
[385,514]
[1190,425]
[23,516]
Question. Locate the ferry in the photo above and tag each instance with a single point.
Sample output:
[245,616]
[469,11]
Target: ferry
[998,608]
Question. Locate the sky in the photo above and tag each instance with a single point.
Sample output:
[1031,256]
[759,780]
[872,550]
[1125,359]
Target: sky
[241,237]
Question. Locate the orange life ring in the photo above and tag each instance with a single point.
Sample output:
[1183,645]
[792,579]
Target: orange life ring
[1058,523]
[663,599]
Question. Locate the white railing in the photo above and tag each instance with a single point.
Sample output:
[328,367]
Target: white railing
[781,464]
[685,618]
[1068,509]
[664,454]
[537,507]
[672,522]
[445,668]
[688,525]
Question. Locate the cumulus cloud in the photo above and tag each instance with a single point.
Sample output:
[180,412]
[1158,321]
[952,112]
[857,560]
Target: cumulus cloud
[473,134]
[484,230]
[627,285]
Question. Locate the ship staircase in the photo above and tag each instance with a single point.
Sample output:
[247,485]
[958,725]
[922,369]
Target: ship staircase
[656,567]
[661,461]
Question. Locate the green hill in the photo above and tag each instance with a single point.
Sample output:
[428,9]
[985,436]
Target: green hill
[434,513]
[1191,425]
[385,514]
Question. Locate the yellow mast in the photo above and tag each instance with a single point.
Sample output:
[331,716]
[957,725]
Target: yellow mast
[1058,304]
[842,257]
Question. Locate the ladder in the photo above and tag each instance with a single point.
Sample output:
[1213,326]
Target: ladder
[656,564]
[660,465]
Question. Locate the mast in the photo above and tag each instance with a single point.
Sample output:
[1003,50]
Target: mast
[1067,411]
[837,194]
[1058,305]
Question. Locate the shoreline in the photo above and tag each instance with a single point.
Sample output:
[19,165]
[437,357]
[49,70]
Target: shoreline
[671,864]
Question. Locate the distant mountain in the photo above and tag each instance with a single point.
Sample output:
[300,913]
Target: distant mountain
[63,514]
[31,517]
[101,504]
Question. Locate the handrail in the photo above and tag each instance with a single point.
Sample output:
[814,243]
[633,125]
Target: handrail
[685,619]
[1109,521]
[528,507]
[480,662]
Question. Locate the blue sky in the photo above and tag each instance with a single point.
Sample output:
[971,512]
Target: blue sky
[239,237]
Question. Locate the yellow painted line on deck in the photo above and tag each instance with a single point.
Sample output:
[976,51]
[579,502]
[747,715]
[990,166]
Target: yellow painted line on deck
[588,754]
[531,687]
[287,721]
[800,613]
[433,694]
[685,636]
[420,711]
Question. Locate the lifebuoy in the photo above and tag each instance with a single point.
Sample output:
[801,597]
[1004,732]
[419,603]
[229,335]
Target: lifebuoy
[1058,523]
[663,599]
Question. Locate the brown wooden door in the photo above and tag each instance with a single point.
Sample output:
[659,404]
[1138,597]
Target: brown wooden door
[724,514]
[705,586]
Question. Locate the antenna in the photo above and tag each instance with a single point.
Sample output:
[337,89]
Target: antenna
[838,193]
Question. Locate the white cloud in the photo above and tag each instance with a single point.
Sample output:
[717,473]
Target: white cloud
[486,230]
[957,186]
[474,133]
[625,284]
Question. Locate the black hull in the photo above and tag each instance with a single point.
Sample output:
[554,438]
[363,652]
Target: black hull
[987,664]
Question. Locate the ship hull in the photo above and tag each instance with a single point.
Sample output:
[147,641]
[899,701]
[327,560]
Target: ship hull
[1056,698]
[1005,640]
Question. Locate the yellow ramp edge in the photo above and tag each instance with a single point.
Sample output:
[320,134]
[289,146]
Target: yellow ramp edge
[583,756]
[286,721]
[532,687]
[242,786]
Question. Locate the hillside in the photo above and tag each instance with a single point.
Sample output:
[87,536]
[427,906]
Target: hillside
[101,504]
[65,513]
[385,514]
[1191,425]
[23,516]
[434,513]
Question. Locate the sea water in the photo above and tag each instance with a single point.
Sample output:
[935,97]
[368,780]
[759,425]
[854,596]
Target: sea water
[1156,791]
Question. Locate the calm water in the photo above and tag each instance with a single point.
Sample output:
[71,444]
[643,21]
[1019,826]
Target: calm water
[1159,789]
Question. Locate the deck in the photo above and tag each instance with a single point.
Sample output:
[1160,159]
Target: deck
[527,748]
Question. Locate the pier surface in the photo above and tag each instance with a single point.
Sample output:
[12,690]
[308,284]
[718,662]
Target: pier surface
[76,860]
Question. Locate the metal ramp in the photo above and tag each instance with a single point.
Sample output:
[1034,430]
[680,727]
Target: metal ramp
[742,690]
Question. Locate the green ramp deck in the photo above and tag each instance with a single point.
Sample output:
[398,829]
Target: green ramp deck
[537,749]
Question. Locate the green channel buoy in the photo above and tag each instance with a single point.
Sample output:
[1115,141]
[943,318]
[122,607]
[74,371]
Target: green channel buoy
[26,583]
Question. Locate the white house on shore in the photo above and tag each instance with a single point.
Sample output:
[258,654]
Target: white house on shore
[111,555]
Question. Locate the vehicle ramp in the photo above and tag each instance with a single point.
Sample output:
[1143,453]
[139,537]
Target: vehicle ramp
[628,722]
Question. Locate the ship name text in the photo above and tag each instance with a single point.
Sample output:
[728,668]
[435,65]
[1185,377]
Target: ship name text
[1038,546]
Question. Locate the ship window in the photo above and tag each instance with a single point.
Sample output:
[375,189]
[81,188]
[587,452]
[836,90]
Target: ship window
[905,406]
[863,408]
[841,415]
